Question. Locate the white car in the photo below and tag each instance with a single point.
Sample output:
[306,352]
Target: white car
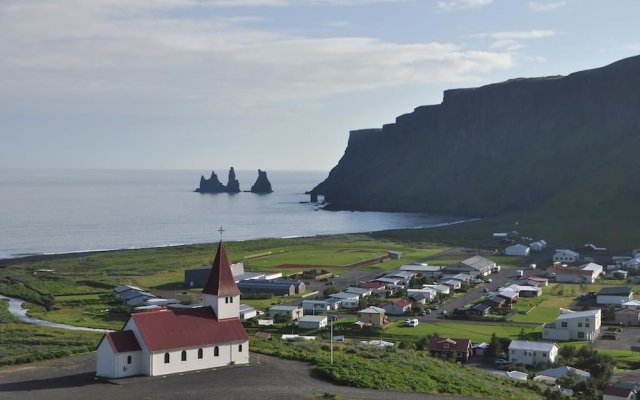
[410,322]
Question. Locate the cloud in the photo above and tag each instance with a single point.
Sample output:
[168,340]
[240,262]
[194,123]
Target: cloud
[512,40]
[81,56]
[449,5]
[538,6]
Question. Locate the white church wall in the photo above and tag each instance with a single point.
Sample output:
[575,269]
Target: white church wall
[106,362]
[226,354]
[144,366]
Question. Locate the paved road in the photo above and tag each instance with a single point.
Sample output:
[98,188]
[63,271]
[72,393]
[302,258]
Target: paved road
[267,378]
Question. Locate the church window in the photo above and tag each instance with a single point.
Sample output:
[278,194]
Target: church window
[216,351]
[240,348]
[166,358]
[129,360]
[226,300]
[199,353]
[184,355]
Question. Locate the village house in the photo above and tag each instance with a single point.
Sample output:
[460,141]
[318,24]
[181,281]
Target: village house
[362,292]
[442,289]
[347,300]
[628,316]
[313,322]
[511,295]
[532,353]
[552,374]
[618,393]
[538,281]
[375,316]
[565,255]
[292,312]
[247,312]
[398,307]
[430,294]
[574,325]
[518,250]
[430,271]
[615,295]
[284,288]
[443,347]
[379,288]
[452,283]
[633,304]
[172,340]
[462,278]
[474,266]
[572,275]
[315,306]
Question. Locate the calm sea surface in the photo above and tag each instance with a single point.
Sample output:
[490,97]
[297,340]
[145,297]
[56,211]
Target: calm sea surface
[58,211]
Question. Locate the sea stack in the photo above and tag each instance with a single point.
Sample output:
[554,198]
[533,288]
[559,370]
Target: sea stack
[211,185]
[233,186]
[262,184]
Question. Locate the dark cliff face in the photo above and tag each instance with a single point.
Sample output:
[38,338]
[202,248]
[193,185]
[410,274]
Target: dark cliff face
[262,184]
[233,186]
[565,143]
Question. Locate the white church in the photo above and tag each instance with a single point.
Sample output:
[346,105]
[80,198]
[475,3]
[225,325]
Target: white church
[171,340]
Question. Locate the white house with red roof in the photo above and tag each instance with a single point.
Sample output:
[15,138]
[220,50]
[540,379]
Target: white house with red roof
[171,340]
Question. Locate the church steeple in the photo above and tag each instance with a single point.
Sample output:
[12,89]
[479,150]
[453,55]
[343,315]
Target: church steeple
[221,292]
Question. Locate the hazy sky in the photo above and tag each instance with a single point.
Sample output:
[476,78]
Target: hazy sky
[271,84]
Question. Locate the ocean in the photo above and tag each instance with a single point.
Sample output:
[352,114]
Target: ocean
[61,211]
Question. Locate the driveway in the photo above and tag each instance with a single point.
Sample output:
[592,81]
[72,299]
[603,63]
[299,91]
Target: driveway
[266,378]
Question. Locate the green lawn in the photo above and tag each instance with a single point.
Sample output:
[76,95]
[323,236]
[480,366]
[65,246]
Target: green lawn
[477,332]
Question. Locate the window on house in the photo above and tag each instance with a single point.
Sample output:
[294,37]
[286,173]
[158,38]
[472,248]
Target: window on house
[240,348]
[184,355]
[216,351]
[166,358]
[544,354]
[580,335]
[199,353]
[230,299]
[129,360]
[563,324]
[579,324]
[586,324]
[226,300]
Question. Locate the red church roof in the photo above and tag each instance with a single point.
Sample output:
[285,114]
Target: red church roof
[122,342]
[169,329]
[221,282]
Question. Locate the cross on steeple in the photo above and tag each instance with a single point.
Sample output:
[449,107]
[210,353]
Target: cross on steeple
[221,230]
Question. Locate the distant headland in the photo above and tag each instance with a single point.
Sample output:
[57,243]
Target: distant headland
[213,184]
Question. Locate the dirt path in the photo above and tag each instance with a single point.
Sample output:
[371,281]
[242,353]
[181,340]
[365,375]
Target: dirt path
[267,378]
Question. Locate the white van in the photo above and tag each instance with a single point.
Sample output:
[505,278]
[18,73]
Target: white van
[410,322]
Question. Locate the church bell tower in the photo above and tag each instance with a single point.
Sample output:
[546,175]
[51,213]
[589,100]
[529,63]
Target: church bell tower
[220,291]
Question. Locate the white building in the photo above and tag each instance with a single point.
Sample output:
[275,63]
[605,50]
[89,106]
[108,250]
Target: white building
[429,293]
[312,322]
[431,271]
[315,306]
[574,325]
[519,250]
[597,269]
[172,340]
[539,245]
[247,312]
[347,300]
[293,312]
[615,295]
[565,255]
[362,292]
[443,289]
[532,353]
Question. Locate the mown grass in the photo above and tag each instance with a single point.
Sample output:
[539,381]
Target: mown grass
[477,332]
[394,369]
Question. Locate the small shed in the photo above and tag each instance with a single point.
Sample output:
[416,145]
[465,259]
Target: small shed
[394,255]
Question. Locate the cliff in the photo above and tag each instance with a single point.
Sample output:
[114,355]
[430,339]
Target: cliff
[262,184]
[565,145]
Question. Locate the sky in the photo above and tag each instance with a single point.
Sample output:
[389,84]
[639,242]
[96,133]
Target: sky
[270,84]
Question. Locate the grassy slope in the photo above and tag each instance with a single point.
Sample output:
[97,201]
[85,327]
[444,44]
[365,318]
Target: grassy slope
[404,370]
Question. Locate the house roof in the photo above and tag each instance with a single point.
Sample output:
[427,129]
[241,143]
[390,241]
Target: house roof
[220,281]
[577,314]
[617,391]
[562,371]
[558,270]
[591,267]
[313,318]
[631,303]
[518,246]
[122,342]
[168,329]
[481,307]
[478,263]
[285,308]
[372,285]
[567,251]
[372,310]
[615,291]
[402,303]
[438,343]
[358,290]
[345,295]
[533,346]
[418,296]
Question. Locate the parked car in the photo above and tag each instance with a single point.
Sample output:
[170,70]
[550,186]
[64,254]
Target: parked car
[488,280]
[426,311]
[410,323]
[501,361]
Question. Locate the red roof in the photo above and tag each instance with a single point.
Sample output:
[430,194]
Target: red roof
[402,303]
[372,285]
[438,343]
[617,391]
[186,327]
[122,342]
[221,282]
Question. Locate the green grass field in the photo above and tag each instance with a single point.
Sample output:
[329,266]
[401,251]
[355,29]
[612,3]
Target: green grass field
[477,332]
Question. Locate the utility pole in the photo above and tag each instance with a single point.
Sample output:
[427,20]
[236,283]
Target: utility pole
[331,344]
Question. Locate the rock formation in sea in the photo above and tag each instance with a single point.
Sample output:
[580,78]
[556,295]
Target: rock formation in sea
[213,184]
[233,186]
[262,184]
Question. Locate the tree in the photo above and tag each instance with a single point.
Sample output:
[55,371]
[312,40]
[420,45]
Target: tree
[495,347]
